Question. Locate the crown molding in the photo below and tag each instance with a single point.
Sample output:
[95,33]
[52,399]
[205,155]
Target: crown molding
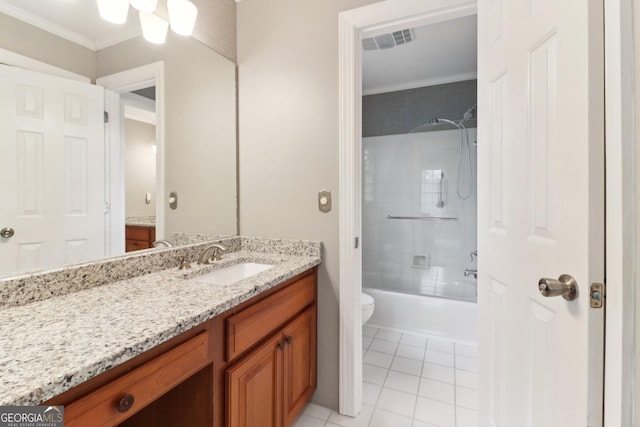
[46,25]
[419,83]
[65,33]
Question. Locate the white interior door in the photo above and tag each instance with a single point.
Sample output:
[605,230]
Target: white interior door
[541,210]
[52,146]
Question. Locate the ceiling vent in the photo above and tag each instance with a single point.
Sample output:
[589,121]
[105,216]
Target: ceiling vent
[389,40]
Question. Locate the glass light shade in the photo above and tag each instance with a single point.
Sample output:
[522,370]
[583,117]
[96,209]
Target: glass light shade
[182,15]
[154,28]
[114,10]
[145,5]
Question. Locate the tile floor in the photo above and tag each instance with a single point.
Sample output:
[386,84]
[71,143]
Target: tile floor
[409,381]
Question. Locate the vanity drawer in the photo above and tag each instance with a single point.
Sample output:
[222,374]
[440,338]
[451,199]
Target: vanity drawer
[120,399]
[250,326]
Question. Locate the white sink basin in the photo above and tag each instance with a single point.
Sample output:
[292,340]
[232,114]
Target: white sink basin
[234,273]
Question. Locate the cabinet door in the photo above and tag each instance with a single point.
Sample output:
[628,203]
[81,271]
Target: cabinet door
[299,363]
[135,245]
[254,387]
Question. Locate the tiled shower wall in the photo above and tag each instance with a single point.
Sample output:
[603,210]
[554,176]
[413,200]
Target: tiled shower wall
[400,254]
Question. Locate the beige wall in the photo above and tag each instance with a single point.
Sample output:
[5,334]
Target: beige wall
[200,129]
[288,100]
[140,168]
[22,38]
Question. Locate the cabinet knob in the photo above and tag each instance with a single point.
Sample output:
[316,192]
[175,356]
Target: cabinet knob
[281,345]
[125,403]
[287,339]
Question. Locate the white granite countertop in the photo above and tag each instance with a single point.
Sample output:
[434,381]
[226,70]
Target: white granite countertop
[49,346]
[141,224]
[141,220]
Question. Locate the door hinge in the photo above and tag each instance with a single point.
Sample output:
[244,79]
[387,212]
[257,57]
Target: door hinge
[597,295]
[106,208]
[106,117]
[356,242]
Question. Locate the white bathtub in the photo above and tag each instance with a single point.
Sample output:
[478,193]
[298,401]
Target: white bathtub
[430,316]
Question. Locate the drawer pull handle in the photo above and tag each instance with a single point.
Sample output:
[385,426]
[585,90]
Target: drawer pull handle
[125,403]
[287,339]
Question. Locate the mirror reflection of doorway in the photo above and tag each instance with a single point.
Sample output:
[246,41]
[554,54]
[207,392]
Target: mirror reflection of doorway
[139,132]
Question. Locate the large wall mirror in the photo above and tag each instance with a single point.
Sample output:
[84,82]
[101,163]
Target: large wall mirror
[169,158]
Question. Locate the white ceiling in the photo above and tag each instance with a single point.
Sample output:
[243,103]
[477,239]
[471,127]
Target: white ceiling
[74,20]
[443,52]
[440,53]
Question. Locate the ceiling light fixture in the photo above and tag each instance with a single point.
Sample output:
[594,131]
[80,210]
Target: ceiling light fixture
[182,15]
[144,5]
[154,28]
[114,11]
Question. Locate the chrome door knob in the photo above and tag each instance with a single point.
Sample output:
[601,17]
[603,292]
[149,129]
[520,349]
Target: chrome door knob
[565,285]
[7,232]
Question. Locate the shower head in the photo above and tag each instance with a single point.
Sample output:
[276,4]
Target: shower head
[468,115]
[437,121]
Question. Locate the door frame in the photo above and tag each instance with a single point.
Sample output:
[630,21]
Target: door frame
[382,17]
[621,194]
[119,83]
[620,209]
[15,59]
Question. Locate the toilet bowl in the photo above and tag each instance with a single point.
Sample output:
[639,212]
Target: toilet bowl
[367,304]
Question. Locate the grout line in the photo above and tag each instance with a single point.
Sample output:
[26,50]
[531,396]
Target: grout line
[424,355]
[455,389]
[375,406]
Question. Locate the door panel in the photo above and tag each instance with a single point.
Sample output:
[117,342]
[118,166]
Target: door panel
[299,363]
[254,387]
[54,180]
[540,210]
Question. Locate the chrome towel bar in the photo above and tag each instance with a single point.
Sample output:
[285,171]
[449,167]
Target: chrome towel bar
[427,218]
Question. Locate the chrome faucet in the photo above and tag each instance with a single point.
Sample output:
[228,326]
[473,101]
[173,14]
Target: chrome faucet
[471,272]
[166,243]
[211,253]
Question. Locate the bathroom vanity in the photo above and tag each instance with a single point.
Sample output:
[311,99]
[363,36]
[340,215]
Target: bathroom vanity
[172,348]
[139,237]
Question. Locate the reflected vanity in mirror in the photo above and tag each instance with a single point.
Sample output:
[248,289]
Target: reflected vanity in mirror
[140,157]
[183,142]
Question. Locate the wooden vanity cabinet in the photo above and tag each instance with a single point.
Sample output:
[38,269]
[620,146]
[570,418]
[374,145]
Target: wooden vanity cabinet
[299,372]
[253,365]
[139,237]
[125,396]
[274,381]
[254,387]
[270,386]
